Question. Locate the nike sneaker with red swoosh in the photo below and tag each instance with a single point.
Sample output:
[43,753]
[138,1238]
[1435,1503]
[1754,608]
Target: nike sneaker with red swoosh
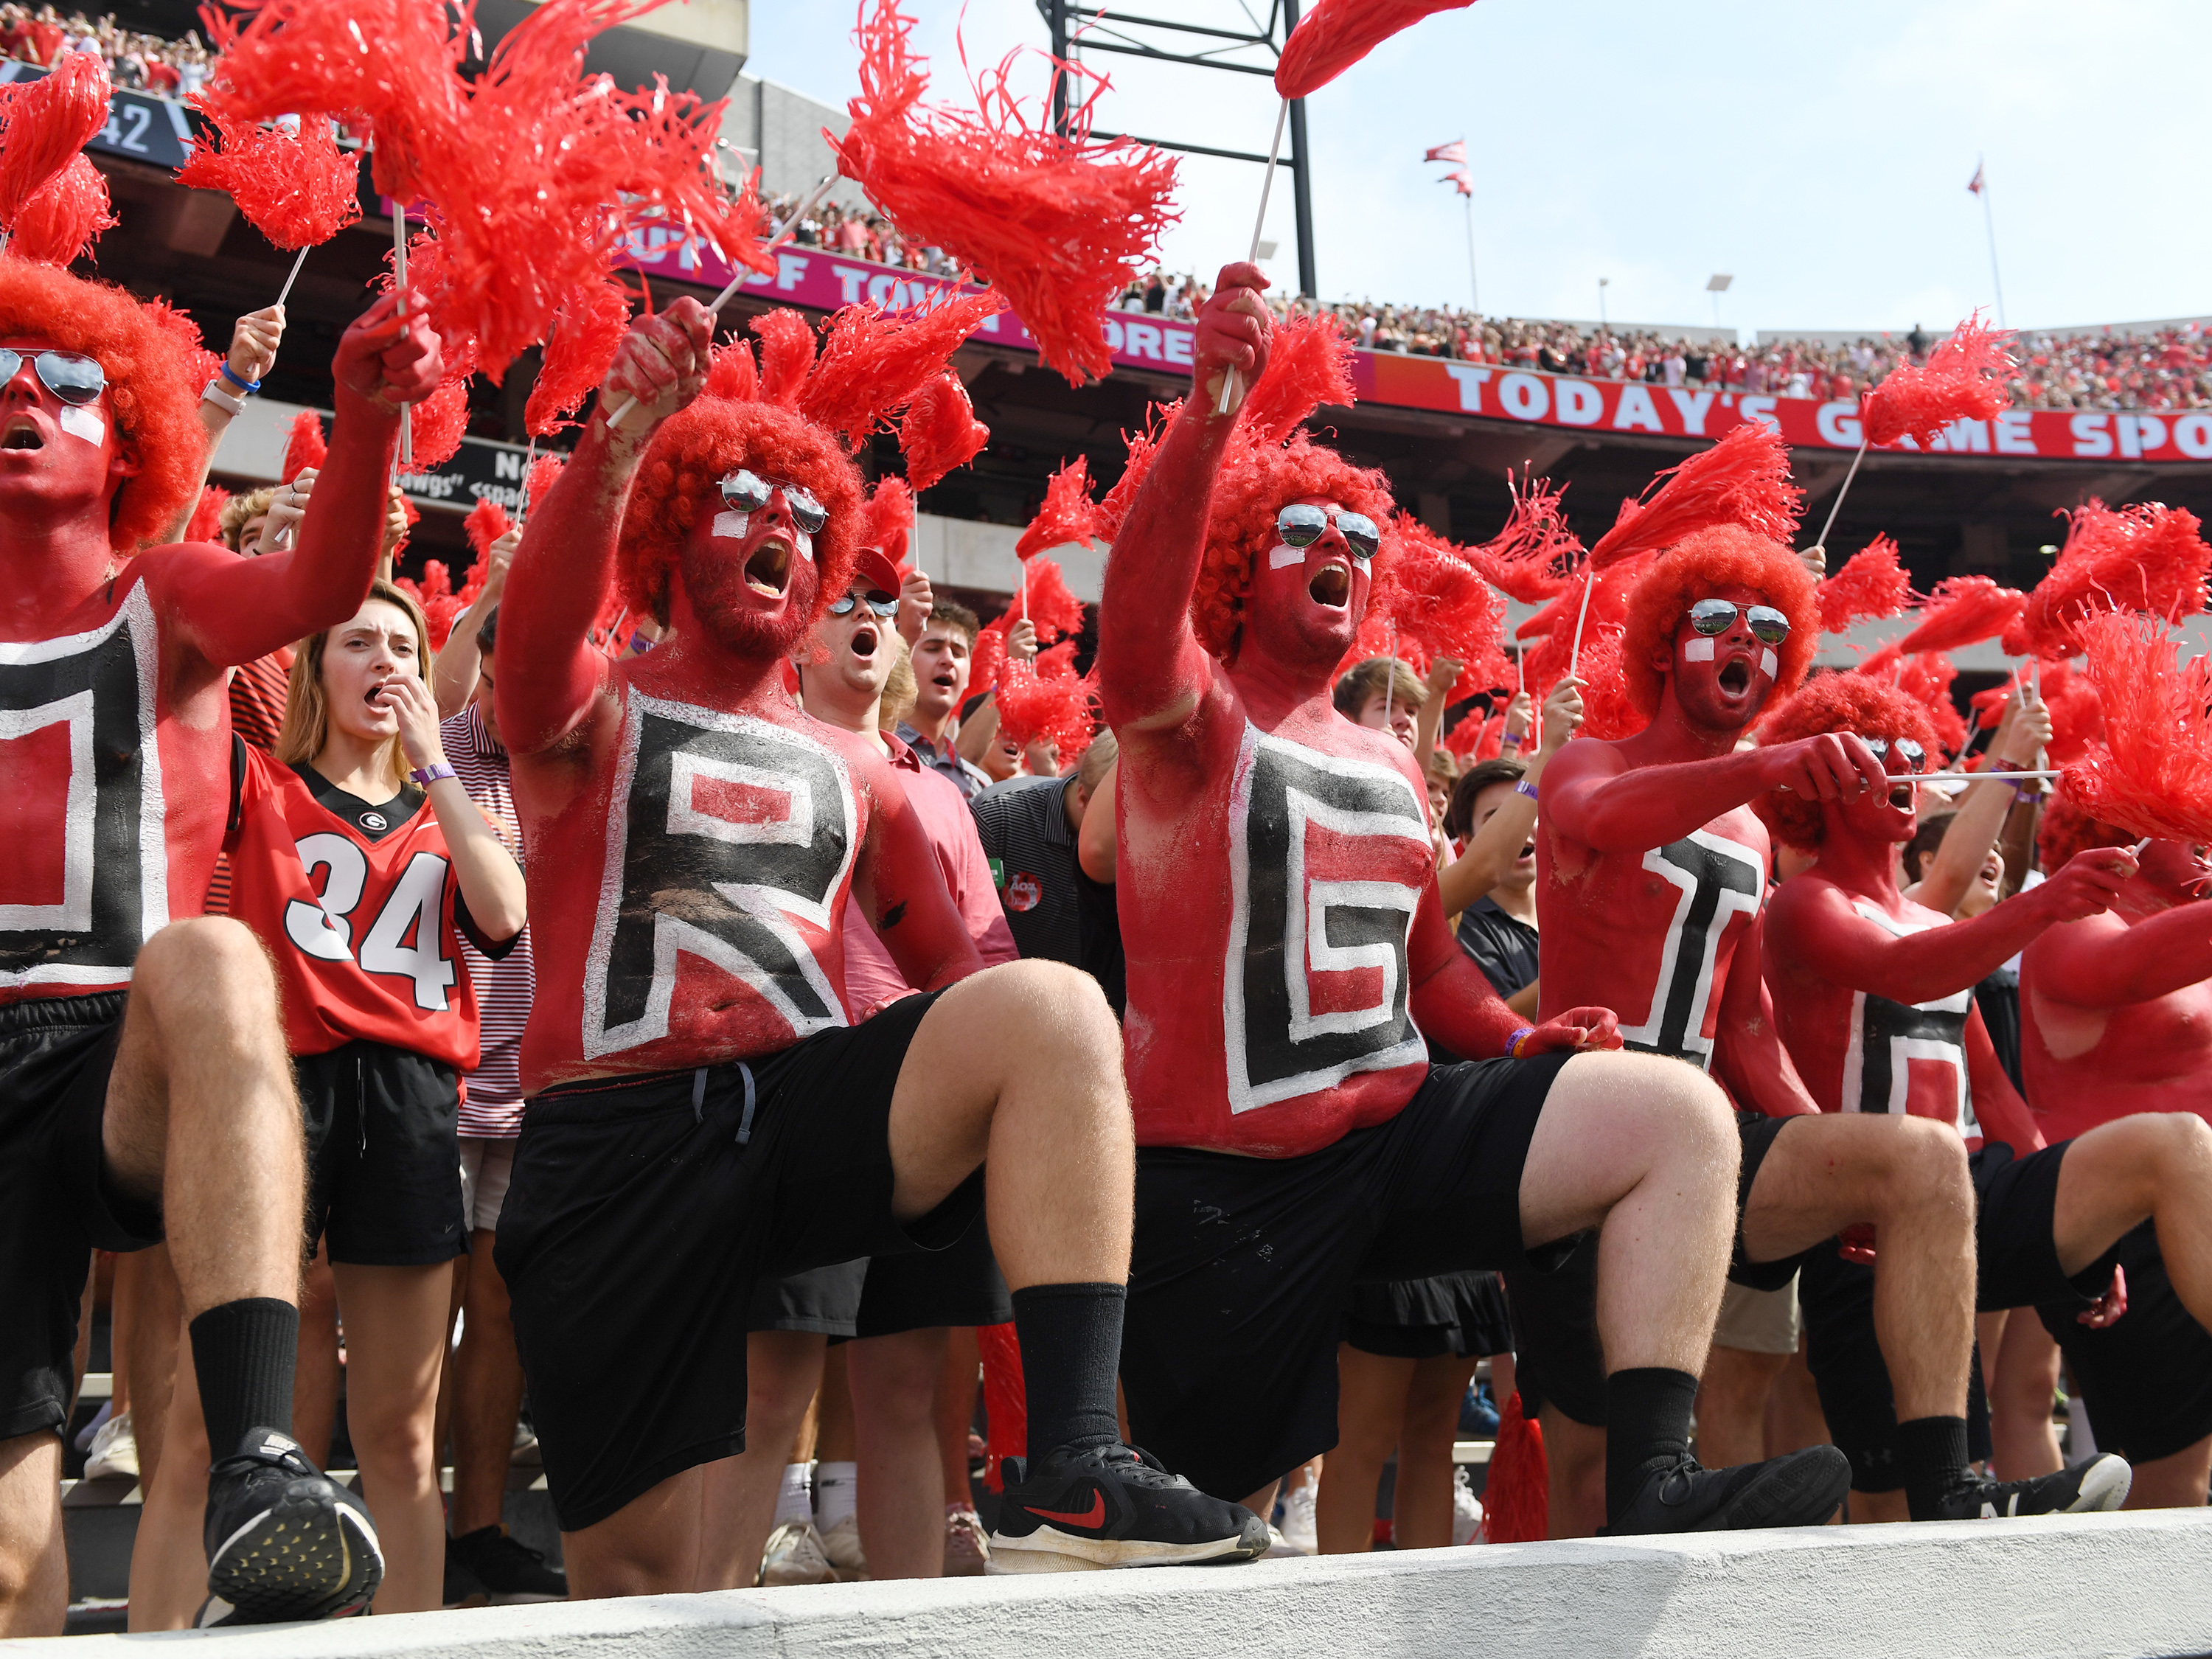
[1082,1509]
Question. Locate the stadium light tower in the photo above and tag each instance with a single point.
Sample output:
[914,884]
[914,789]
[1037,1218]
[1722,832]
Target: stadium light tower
[1235,40]
[1717,285]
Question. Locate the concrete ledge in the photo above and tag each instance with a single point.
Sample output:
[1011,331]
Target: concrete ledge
[2119,1585]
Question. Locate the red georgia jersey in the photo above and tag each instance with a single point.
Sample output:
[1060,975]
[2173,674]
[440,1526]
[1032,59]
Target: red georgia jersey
[112,799]
[1910,1060]
[1267,930]
[686,901]
[363,927]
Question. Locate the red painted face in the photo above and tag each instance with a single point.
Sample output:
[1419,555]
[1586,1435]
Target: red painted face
[2182,869]
[1890,817]
[1722,681]
[1309,602]
[63,454]
[750,576]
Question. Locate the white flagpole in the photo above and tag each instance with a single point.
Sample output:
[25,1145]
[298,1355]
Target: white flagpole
[1473,289]
[1989,224]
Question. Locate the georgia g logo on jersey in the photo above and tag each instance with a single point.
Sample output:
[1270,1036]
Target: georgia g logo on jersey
[1327,860]
[722,829]
[1901,1058]
[84,880]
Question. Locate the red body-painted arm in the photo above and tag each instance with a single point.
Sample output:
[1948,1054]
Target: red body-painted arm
[1151,669]
[901,888]
[236,609]
[1749,1059]
[2002,1113]
[2103,962]
[1594,796]
[1453,1001]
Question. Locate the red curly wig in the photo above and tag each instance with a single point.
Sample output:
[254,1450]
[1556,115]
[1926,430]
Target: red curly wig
[1835,702]
[2067,830]
[153,385]
[1253,486]
[688,459]
[1698,566]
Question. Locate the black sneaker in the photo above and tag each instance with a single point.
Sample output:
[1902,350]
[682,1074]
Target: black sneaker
[1801,1489]
[284,1543]
[1111,1506]
[510,1572]
[463,1588]
[2101,1482]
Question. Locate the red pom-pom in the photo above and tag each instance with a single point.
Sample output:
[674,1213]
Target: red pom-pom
[2153,774]
[1037,702]
[290,179]
[939,432]
[2148,557]
[1475,739]
[304,445]
[1964,379]
[1308,364]
[181,328]
[1441,605]
[1056,224]
[1963,611]
[989,657]
[1871,585]
[540,479]
[1744,479]
[435,593]
[2077,718]
[439,421]
[44,124]
[588,330]
[1068,515]
[1517,1500]
[1926,676]
[733,373]
[206,523]
[871,364]
[1530,559]
[1608,711]
[486,523]
[1053,611]
[1005,1401]
[887,521]
[1337,34]
[62,221]
[786,356]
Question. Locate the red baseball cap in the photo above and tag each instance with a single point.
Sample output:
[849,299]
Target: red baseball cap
[873,568]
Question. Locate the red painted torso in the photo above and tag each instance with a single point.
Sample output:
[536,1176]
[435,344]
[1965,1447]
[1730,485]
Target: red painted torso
[2084,1066]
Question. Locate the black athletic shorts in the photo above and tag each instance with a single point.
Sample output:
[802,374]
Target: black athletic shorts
[2148,1377]
[1463,1315]
[2018,1265]
[1244,1265]
[1557,1357]
[821,1301]
[57,1202]
[643,1213]
[383,1156]
[960,1284]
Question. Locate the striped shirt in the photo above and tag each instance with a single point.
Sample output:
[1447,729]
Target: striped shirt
[1031,845]
[257,690]
[492,1106]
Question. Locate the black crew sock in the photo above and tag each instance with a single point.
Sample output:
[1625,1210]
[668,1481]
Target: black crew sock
[243,1354]
[1647,1426]
[1933,1451]
[1071,1340]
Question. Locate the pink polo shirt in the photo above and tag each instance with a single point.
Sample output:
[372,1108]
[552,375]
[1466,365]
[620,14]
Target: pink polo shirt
[872,978]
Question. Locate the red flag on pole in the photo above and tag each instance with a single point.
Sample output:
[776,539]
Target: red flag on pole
[1455,151]
[1975,184]
[1458,176]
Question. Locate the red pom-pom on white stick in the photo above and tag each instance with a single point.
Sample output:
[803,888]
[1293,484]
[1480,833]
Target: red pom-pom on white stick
[62,221]
[1963,611]
[870,364]
[1068,516]
[939,432]
[1871,586]
[1743,479]
[45,124]
[1337,34]
[304,445]
[1964,379]
[2148,557]
[2153,774]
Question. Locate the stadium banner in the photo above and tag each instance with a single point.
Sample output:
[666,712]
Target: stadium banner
[822,280]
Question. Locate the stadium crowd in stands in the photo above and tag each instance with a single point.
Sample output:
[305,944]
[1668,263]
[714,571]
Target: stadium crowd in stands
[175,68]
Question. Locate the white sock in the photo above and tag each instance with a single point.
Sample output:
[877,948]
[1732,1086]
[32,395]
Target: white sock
[834,1486]
[793,1504]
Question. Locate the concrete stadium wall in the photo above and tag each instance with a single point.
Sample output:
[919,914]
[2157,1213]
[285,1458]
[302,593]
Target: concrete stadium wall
[2110,1585]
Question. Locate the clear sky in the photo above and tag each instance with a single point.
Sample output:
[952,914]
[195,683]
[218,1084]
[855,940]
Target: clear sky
[1819,153]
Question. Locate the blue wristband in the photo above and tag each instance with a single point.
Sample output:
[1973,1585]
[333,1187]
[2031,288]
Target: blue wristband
[1525,787]
[230,374]
[1513,1043]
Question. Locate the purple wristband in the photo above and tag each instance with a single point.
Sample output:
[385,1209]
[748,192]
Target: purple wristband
[1524,787]
[1513,1043]
[427,776]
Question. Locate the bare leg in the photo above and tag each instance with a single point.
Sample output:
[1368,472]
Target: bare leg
[738,1494]
[955,1409]
[2176,1482]
[396,1323]
[1574,1458]
[487,1374]
[168,1561]
[2156,1165]
[1421,1508]
[1503,1378]
[443,1421]
[33,1565]
[902,1478]
[2024,1439]
[649,1547]
[1732,1399]
[150,1285]
[1793,1418]
[1045,1098]
[315,1374]
[1370,1406]
[1908,1176]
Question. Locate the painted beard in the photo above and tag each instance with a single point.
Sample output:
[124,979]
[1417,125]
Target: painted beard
[717,586]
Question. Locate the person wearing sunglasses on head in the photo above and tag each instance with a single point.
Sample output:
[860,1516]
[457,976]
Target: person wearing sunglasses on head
[147,1092]
[1287,955]
[1874,999]
[1651,871]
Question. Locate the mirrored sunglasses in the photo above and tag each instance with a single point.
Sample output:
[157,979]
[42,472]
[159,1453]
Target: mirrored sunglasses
[1713,617]
[71,378]
[1301,524]
[881,604]
[748,492]
[1910,752]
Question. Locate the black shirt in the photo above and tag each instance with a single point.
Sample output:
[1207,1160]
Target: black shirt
[1503,946]
[1023,824]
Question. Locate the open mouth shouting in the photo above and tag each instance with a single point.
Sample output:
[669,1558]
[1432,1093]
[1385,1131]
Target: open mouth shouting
[864,643]
[1330,586]
[1901,796]
[1735,677]
[768,572]
[22,432]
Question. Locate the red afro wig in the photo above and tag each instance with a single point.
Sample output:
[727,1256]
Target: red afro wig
[1698,566]
[2067,830]
[153,385]
[1252,488]
[688,459]
[1836,703]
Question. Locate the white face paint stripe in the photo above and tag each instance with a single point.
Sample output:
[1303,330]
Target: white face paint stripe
[1283,553]
[83,423]
[1768,661]
[805,543]
[732,526]
[1698,649]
